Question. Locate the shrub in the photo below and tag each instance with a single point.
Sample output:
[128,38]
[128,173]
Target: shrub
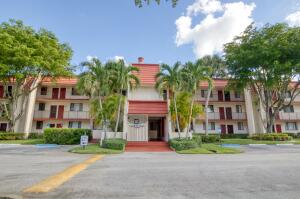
[183,144]
[65,136]
[198,139]
[271,137]
[11,136]
[116,143]
[294,135]
[35,136]
[210,138]
[233,136]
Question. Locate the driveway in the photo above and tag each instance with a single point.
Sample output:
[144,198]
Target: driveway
[261,172]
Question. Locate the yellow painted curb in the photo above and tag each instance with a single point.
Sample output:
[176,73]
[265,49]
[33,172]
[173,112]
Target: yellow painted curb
[55,181]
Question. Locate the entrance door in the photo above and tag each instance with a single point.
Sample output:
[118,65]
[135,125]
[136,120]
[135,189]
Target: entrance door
[230,129]
[60,114]
[228,113]
[222,114]
[3,127]
[223,129]
[55,93]
[156,129]
[220,95]
[278,128]
[53,111]
[62,94]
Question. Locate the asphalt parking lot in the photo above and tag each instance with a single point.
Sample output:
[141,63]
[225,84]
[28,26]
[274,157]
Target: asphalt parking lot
[261,172]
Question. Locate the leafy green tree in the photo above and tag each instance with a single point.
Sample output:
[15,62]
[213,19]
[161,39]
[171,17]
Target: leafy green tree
[212,67]
[169,78]
[139,3]
[266,60]
[183,103]
[28,56]
[122,78]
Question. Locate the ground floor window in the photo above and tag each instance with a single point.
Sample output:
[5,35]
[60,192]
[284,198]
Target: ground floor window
[211,126]
[3,127]
[241,126]
[291,126]
[76,125]
[39,125]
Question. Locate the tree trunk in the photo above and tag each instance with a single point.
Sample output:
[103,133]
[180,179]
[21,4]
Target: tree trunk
[206,110]
[118,116]
[103,120]
[190,117]
[176,115]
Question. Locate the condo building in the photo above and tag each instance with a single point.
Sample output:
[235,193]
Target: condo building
[57,104]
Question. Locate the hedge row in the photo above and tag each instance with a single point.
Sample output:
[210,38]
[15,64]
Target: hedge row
[183,144]
[117,144]
[272,137]
[11,136]
[65,136]
[207,138]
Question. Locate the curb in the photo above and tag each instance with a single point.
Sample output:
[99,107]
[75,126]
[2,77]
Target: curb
[257,144]
[290,144]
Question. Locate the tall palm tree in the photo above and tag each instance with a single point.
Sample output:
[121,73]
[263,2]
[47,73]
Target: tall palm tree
[193,74]
[214,68]
[169,78]
[94,83]
[122,78]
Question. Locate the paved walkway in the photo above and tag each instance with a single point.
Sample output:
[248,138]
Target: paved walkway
[152,146]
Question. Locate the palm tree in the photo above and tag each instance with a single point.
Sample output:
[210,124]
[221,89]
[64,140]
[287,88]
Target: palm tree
[193,74]
[169,78]
[214,68]
[122,78]
[94,83]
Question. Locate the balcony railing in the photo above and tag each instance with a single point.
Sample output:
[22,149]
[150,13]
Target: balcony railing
[66,115]
[232,116]
[288,116]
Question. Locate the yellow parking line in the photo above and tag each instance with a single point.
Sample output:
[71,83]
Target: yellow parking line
[55,181]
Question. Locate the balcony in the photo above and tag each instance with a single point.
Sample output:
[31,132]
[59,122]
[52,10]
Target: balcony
[224,116]
[68,115]
[288,116]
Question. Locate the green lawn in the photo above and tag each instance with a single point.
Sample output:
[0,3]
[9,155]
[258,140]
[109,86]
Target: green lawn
[28,141]
[94,149]
[210,149]
[250,141]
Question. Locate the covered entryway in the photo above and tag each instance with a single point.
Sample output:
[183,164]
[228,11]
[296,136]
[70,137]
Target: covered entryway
[146,121]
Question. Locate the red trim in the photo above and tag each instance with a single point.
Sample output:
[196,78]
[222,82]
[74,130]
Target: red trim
[148,107]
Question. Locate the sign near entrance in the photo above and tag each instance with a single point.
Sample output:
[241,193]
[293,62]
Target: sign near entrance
[84,139]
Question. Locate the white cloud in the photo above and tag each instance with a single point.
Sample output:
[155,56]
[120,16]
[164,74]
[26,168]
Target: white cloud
[210,34]
[117,58]
[89,57]
[204,6]
[293,19]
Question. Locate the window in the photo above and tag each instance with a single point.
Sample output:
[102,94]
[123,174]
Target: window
[291,126]
[204,93]
[76,107]
[165,94]
[240,126]
[9,91]
[211,108]
[211,126]
[227,95]
[75,125]
[238,108]
[44,91]
[42,106]
[237,94]
[74,92]
[3,127]
[289,109]
[52,125]
[39,125]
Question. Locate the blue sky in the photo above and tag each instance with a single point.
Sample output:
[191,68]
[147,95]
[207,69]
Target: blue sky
[117,28]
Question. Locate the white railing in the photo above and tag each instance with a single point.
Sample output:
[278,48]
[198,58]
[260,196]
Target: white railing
[216,116]
[66,115]
[289,116]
